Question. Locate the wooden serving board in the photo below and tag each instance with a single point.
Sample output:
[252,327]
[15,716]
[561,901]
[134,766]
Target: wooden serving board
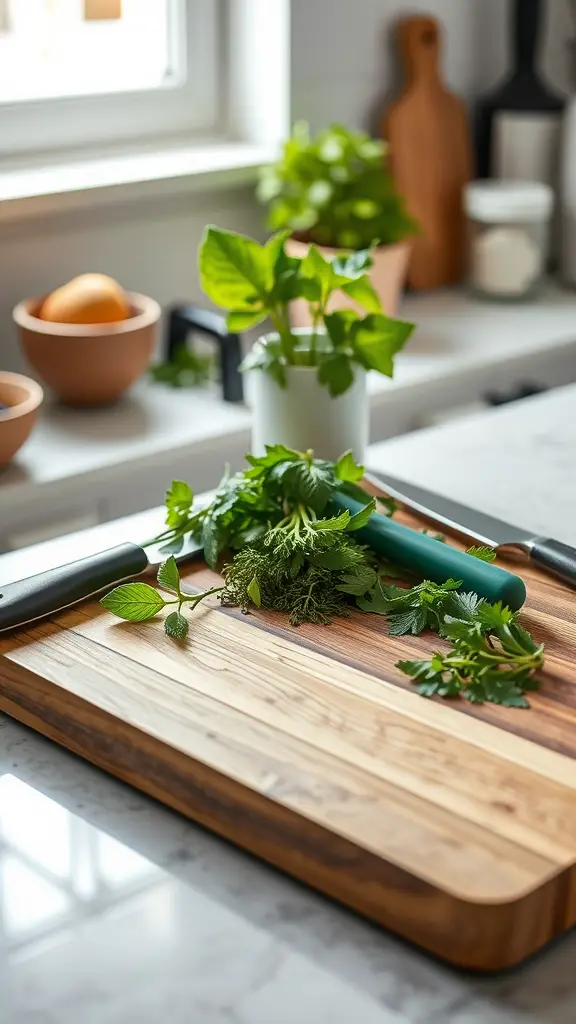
[430,156]
[453,825]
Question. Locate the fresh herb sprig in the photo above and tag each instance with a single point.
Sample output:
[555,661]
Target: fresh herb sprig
[492,658]
[139,602]
[291,552]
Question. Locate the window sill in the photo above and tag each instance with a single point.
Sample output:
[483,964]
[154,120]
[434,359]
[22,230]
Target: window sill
[97,181]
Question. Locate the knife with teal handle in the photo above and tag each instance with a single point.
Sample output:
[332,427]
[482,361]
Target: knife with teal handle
[431,560]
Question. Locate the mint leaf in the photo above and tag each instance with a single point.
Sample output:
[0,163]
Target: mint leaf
[235,271]
[493,616]
[362,291]
[135,602]
[339,326]
[354,265]
[307,481]
[337,558]
[347,469]
[168,576]
[179,500]
[254,592]
[413,621]
[176,626]
[358,582]
[377,339]
[315,267]
[382,599]
[210,541]
[240,320]
[362,518]
[483,552]
[336,524]
[463,606]
[336,373]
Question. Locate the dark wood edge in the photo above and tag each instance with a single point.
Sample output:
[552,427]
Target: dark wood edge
[490,937]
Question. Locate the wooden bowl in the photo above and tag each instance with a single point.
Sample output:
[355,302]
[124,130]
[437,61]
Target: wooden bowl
[89,364]
[23,398]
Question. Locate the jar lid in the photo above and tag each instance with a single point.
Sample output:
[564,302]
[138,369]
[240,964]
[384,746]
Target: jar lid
[503,201]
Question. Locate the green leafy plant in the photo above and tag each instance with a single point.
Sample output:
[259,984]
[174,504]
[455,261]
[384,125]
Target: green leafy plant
[288,549]
[335,190]
[186,369]
[255,282]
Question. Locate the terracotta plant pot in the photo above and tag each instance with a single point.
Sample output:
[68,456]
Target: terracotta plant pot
[388,275]
[89,364]
[23,398]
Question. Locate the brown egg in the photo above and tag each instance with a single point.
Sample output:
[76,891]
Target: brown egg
[87,299]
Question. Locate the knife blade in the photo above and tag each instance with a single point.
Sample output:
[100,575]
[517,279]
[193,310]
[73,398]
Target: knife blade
[50,592]
[552,555]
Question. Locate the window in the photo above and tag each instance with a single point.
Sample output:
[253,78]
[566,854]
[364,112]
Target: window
[78,72]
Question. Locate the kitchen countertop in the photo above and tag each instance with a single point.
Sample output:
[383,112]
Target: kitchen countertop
[114,910]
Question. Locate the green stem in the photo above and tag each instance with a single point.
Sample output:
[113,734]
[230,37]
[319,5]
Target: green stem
[196,598]
[316,315]
[279,318]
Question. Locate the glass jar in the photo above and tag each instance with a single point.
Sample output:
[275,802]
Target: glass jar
[508,237]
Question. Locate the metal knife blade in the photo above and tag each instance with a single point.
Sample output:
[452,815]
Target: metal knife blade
[555,557]
[476,525]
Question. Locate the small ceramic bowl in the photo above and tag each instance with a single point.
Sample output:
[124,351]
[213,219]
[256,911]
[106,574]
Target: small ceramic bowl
[20,399]
[89,364]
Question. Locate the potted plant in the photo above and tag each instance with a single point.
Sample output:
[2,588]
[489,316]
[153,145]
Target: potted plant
[309,384]
[336,191]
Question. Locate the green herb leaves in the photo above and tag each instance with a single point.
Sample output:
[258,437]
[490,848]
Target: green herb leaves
[294,549]
[135,602]
[483,552]
[492,660]
[253,281]
[138,602]
[337,188]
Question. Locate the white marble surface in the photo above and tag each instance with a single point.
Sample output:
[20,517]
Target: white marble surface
[516,462]
[114,910]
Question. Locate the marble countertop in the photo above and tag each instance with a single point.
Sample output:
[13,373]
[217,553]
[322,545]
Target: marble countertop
[114,910]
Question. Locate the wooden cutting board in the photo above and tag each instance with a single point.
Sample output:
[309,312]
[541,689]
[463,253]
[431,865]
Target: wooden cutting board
[430,157]
[453,825]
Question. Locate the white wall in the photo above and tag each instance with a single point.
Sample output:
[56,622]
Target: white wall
[342,62]
[344,59]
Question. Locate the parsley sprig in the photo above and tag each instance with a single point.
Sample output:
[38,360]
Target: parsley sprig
[492,658]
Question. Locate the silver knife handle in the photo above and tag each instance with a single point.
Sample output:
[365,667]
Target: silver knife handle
[49,592]
[557,558]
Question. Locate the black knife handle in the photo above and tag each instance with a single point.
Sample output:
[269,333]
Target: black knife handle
[557,558]
[51,591]
[526,17]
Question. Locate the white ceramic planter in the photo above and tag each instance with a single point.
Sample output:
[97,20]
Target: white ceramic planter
[303,415]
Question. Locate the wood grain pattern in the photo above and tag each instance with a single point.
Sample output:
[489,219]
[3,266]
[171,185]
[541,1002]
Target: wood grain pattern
[430,157]
[454,826]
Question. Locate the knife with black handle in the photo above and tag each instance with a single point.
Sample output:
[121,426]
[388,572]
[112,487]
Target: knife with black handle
[555,557]
[56,589]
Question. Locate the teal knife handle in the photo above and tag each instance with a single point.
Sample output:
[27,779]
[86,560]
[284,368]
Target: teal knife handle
[431,560]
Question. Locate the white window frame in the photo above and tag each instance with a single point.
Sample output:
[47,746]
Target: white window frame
[176,108]
[252,119]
